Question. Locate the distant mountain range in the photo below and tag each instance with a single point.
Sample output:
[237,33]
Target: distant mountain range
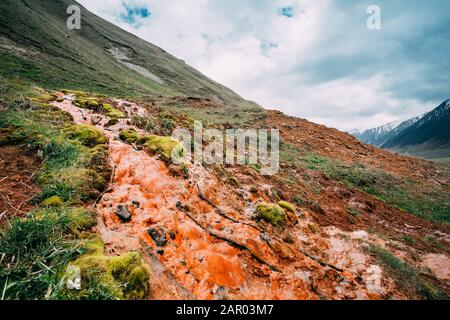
[427,135]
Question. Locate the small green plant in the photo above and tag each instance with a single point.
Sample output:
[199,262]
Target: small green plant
[299,200]
[408,240]
[353,212]
[436,244]
[313,227]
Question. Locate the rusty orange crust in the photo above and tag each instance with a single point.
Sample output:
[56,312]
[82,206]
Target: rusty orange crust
[226,254]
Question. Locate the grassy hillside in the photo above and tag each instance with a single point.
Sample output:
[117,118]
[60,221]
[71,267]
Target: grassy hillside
[35,44]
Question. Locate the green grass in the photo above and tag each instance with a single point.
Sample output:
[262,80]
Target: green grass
[406,276]
[415,197]
[408,240]
[73,171]
[436,244]
[36,250]
[353,212]
[420,199]
[221,115]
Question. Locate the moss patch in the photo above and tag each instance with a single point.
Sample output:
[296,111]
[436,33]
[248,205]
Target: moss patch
[88,103]
[53,201]
[287,206]
[129,135]
[112,112]
[96,103]
[87,135]
[271,213]
[119,277]
[164,146]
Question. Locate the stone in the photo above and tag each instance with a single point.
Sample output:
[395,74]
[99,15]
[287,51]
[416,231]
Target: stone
[135,203]
[123,213]
[158,235]
[96,119]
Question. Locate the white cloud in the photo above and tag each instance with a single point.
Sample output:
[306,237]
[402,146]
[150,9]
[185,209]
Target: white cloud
[223,40]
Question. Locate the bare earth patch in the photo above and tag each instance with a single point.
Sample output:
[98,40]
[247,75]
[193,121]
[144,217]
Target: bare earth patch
[17,167]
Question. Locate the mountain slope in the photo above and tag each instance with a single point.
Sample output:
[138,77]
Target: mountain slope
[428,137]
[380,135]
[338,214]
[35,44]
[375,136]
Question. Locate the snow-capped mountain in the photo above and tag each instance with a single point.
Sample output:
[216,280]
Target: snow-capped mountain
[428,137]
[380,135]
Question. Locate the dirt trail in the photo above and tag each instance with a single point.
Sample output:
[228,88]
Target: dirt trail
[201,241]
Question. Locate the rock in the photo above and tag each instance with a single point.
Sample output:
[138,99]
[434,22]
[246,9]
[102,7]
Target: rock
[112,122]
[158,235]
[288,238]
[135,203]
[123,213]
[179,205]
[96,119]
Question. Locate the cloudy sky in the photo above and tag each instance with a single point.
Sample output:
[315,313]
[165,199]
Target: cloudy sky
[315,59]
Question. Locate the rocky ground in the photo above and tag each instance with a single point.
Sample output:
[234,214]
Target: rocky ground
[200,236]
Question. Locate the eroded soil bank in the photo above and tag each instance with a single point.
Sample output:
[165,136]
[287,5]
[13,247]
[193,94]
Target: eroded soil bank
[18,165]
